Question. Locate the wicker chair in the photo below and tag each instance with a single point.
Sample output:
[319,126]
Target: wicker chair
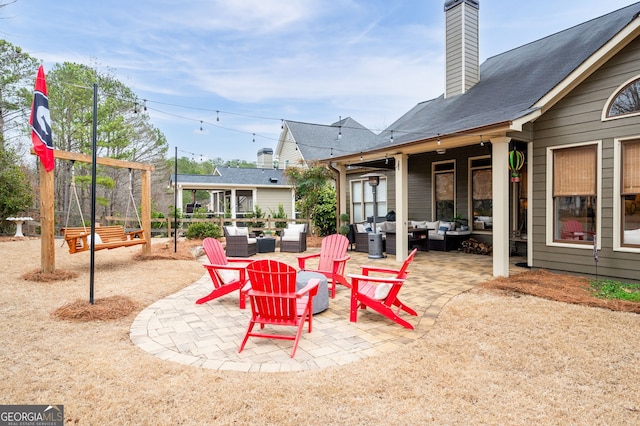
[294,238]
[240,243]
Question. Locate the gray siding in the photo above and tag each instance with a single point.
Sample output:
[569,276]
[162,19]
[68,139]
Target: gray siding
[576,119]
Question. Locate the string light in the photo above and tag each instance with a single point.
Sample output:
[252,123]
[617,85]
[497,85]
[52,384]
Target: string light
[386,159]
[331,152]
[481,141]
[438,138]
[217,115]
[254,138]
[135,108]
[282,124]
[200,125]
[339,127]
[391,138]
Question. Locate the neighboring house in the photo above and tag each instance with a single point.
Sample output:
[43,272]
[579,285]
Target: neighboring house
[301,144]
[241,190]
[569,102]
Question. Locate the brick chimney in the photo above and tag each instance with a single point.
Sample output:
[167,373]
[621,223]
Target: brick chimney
[265,158]
[462,58]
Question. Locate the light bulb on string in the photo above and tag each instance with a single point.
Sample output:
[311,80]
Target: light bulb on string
[281,123]
[391,138]
[217,115]
[144,104]
[481,141]
[331,152]
[254,138]
[135,108]
[200,125]
[438,138]
[339,127]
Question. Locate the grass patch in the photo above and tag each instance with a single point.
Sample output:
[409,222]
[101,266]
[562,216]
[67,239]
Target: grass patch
[610,289]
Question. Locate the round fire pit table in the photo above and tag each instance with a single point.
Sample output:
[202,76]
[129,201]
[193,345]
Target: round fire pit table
[320,300]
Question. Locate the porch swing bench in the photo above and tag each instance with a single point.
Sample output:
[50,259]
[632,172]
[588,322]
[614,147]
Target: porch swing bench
[111,237]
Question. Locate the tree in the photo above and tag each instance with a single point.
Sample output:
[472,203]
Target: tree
[17,75]
[312,187]
[16,194]
[124,132]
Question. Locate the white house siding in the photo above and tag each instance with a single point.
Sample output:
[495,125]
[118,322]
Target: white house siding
[287,154]
[577,119]
[268,199]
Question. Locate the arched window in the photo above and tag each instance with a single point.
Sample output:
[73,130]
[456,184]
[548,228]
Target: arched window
[625,101]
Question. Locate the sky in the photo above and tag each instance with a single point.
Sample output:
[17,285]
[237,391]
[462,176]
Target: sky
[219,76]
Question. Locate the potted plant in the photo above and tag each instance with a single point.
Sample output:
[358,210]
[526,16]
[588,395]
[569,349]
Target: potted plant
[461,223]
[344,228]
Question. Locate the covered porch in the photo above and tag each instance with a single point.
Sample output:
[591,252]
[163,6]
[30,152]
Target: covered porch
[475,170]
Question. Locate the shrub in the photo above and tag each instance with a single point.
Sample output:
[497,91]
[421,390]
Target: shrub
[200,230]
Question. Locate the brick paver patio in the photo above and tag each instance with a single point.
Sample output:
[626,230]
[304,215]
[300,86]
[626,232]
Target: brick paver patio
[208,335]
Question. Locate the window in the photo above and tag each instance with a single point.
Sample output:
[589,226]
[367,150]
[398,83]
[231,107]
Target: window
[362,199]
[575,183]
[625,101]
[481,192]
[444,190]
[630,193]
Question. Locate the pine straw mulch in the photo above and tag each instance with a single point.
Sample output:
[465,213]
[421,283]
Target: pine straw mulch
[106,309]
[558,287]
[115,307]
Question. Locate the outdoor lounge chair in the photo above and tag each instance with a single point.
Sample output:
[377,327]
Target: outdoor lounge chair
[294,238]
[240,243]
[226,277]
[276,302]
[332,260]
[381,293]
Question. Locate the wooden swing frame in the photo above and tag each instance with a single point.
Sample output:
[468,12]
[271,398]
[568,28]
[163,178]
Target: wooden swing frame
[47,211]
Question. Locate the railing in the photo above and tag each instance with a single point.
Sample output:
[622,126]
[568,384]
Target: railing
[269,224]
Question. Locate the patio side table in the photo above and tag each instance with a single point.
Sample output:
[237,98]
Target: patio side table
[266,245]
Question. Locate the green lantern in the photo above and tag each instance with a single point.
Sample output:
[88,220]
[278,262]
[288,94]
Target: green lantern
[516,161]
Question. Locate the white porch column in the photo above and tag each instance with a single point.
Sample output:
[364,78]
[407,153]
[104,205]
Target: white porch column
[212,206]
[342,186]
[293,206]
[179,198]
[402,206]
[233,203]
[500,175]
[529,204]
[254,199]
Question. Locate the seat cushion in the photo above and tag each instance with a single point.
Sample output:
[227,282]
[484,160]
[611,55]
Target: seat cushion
[382,291]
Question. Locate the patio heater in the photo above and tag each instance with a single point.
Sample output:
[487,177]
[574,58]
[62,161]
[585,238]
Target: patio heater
[375,238]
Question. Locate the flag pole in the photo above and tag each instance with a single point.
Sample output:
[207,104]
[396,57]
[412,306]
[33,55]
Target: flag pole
[94,159]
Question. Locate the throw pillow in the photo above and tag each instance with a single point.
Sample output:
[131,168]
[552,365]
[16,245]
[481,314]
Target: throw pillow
[98,239]
[231,230]
[433,225]
[443,229]
[382,291]
[296,227]
[227,275]
[242,231]
[360,228]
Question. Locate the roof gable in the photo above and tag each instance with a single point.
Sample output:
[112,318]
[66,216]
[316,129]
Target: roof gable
[510,83]
[317,141]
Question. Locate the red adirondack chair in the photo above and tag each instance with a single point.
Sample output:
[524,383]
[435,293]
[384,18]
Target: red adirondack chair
[332,261]
[225,276]
[275,300]
[380,293]
[572,230]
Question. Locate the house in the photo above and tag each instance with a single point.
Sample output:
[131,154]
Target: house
[301,144]
[568,103]
[240,190]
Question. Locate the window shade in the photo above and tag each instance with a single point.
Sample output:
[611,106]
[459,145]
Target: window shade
[574,171]
[444,186]
[631,167]
[482,185]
